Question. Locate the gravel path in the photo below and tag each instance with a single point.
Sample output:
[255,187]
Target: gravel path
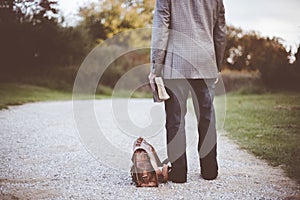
[42,158]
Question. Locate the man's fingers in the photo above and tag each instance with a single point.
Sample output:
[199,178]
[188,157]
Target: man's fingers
[151,77]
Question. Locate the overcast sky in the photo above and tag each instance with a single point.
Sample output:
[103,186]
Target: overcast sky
[280,18]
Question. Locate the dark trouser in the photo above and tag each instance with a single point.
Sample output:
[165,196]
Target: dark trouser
[202,93]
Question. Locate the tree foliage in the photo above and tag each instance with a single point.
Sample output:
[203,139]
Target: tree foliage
[250,51]
[104,19]
[32,38]
[107,18]
[33,11]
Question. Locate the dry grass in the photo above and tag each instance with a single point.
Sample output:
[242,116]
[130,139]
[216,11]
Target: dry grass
[237,80]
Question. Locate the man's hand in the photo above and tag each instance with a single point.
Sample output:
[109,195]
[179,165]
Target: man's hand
[151,78]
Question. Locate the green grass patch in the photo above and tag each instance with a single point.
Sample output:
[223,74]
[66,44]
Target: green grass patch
[17,94]
[20,93]
[268,125]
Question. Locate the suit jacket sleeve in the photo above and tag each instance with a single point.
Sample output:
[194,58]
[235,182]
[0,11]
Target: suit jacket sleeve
[160,35]
[220,34]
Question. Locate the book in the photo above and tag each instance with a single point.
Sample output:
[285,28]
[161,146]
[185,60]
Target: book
[159,91]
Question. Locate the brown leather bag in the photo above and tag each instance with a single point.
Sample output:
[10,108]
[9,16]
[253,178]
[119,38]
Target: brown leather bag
[147,170]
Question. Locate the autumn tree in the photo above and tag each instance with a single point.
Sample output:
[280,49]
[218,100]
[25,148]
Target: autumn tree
[109,17]
[104,19]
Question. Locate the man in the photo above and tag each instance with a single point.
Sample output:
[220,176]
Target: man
[188,43]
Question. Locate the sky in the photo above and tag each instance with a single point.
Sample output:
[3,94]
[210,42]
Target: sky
[272,18]
[279,18]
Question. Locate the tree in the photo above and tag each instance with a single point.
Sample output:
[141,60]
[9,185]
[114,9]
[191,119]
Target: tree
[34,11]
[32,38]
[295,71]
[109,17]
[23,24]
[250,51]
[106,18]
[297,56]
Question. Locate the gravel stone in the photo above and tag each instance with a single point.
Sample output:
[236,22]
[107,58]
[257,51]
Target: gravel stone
[42,157]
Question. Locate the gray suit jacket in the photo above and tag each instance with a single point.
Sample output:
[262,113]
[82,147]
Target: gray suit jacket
[188,38]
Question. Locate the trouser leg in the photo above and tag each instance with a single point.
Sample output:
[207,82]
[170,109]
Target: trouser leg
[175,108]
[203,94]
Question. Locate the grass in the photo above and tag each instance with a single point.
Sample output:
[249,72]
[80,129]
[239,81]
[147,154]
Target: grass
[268,125]
[17,94]
[20,93]
[237,80]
